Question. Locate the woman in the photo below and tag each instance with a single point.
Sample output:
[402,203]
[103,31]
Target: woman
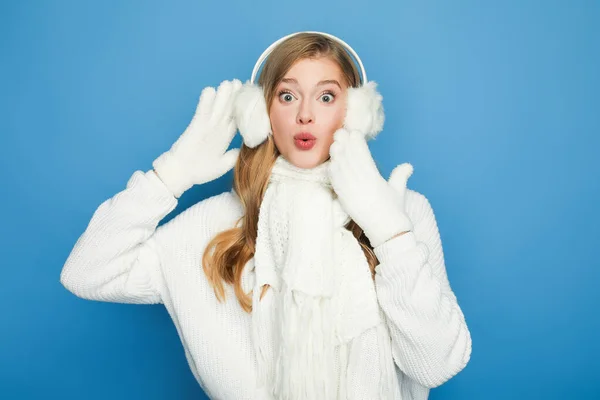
[339,276]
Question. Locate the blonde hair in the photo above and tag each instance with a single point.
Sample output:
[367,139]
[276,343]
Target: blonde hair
[229,251]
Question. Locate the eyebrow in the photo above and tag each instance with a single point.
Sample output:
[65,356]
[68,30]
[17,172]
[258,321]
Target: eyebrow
[323,82]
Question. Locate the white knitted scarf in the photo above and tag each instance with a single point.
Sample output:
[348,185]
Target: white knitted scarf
[321,293]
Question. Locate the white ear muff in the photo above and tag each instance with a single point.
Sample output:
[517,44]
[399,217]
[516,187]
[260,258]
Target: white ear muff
[364,110]
[251,114]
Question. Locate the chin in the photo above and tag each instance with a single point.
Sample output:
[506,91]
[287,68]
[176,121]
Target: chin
[305,160]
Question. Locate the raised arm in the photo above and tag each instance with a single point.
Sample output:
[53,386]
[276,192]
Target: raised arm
[117,259]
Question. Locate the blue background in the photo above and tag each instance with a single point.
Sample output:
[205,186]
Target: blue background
[496,104]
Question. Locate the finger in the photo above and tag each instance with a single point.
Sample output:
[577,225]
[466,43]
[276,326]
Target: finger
[236,85]
[358,138]
[338,175]
[340,146]
[340,187]
[356,148]
[364,150]
[206,101]
[222,140]
[399,176]
[334,176]
[227,162]
[340,135]
[231,131]
[353,154]
[221,100]
[334,150]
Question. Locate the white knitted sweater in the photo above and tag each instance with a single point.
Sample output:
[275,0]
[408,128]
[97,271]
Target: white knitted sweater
[123,257]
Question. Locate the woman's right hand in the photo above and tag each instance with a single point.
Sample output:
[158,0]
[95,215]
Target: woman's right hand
[199,156]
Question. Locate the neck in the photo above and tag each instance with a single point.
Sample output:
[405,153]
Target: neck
[284,170]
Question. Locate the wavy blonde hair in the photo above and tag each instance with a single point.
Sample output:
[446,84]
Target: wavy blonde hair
[229,251]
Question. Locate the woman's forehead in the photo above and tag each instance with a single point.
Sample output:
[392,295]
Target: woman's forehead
[314,72]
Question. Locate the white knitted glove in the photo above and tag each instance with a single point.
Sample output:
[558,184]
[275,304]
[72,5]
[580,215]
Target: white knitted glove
[198,156]
[376,206]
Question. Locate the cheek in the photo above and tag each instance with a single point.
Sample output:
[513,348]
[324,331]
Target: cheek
[281,119]
[335,119]
[335,122]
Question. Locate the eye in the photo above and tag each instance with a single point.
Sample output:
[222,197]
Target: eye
[329,96]
[285,95]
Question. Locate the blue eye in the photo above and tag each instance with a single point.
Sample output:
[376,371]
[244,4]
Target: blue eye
[328,94]
[288,96]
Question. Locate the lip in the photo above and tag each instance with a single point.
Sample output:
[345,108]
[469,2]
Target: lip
[304,136]
[304,144]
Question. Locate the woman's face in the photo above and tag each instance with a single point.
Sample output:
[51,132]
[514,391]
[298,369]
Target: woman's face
[310,100]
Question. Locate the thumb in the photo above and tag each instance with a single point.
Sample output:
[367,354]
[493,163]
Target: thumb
[228,161]
[399,176]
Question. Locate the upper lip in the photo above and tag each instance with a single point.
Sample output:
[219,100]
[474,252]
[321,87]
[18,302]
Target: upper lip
[304,136]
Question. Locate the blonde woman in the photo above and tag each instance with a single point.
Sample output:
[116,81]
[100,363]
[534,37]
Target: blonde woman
[314,277]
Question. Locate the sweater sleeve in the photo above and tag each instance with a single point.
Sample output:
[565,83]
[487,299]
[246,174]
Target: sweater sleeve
[430,339]
[116,259]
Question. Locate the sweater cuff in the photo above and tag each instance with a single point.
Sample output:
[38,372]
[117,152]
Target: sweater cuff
[395,249]
[156,181]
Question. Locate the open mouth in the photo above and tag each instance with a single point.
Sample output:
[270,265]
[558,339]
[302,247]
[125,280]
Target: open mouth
[305,144]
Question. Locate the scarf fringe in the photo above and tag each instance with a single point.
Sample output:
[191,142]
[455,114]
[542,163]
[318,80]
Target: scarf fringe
[306,320]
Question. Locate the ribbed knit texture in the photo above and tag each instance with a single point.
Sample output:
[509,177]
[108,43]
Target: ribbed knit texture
[123,257]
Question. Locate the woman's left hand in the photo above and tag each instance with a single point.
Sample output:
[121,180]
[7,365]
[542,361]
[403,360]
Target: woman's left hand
[376,206]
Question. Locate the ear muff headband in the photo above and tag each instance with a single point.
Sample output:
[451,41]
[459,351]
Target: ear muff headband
[269,49]
[364,111]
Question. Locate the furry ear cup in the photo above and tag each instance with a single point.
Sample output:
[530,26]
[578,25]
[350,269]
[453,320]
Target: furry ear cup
[251,114]
[364,111]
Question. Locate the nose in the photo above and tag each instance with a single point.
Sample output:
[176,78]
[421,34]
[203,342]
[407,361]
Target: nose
[305,114]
